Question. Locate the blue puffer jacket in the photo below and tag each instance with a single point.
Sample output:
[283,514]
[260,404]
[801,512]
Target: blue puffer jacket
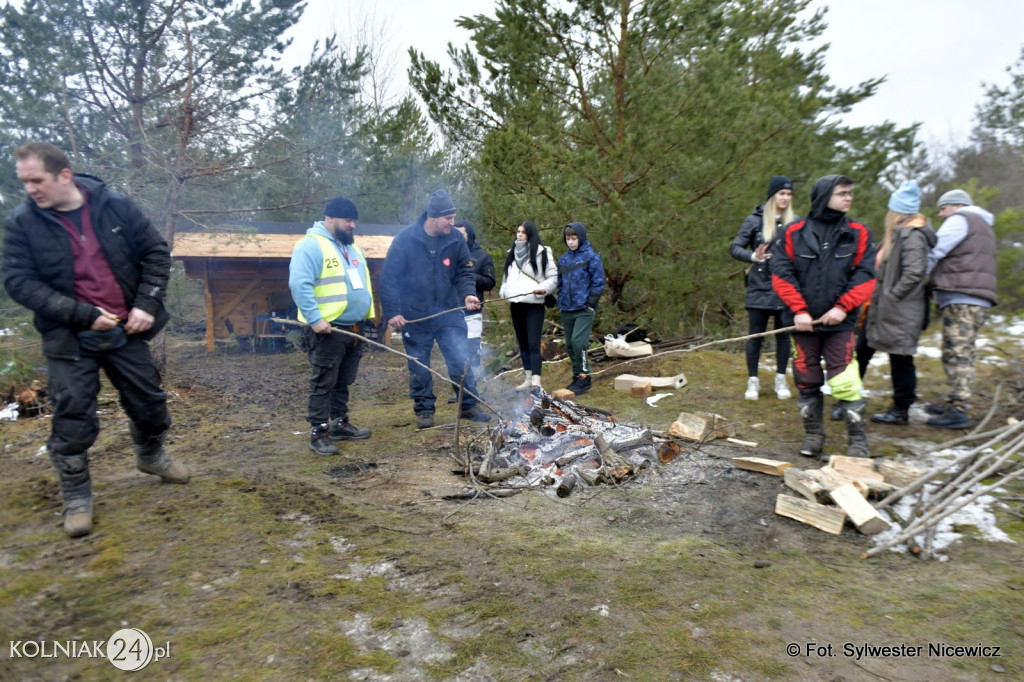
[580,275]
[415,283]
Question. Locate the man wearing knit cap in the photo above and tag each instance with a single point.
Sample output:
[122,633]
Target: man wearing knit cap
[962,265]
[428,270]
[330,283]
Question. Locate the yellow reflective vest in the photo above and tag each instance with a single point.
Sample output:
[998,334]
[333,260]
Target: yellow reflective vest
[331,290]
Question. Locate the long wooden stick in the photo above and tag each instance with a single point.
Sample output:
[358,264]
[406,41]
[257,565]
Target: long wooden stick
[410,358]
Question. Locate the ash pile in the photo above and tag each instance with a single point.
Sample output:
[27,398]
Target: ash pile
[560,444]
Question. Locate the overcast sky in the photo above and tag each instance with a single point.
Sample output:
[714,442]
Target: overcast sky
[936,54]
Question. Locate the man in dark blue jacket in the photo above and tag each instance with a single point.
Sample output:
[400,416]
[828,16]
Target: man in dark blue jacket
[428,271]
[93,270]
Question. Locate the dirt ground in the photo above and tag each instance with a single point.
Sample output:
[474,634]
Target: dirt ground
[276,563]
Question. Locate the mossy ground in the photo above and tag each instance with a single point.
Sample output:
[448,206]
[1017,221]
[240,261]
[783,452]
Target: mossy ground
[275,563]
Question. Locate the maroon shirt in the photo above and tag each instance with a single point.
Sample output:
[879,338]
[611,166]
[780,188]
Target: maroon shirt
[94,280]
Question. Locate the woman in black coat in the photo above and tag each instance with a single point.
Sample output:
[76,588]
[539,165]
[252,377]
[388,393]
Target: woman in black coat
[752,246]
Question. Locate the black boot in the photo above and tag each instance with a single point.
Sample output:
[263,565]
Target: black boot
[894,415]
[75,492]
[319,442]
[951,418]
[856,438]
[811,410]
[341,429]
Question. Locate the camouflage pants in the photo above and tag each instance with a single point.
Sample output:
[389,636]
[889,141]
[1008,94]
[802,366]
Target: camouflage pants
[960,326]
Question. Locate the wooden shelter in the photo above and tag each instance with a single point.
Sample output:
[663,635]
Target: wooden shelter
[245,274]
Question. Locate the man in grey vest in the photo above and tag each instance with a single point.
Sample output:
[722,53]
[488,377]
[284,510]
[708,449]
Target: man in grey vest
[962,265]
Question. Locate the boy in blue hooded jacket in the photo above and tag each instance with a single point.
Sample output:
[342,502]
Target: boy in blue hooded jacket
[580,285]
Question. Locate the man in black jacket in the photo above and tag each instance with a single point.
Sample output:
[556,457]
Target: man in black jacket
[94,271]
[823,270]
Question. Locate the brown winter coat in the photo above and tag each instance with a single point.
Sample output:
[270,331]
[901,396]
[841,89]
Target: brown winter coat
[898,305]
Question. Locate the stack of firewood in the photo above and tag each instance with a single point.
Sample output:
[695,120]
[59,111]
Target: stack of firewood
[859,489]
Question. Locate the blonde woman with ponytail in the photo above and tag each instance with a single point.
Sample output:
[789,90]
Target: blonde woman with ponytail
[752,245]
[899,305]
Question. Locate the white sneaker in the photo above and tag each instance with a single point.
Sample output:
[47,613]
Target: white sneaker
[781,387]
[753,388]
[527,382]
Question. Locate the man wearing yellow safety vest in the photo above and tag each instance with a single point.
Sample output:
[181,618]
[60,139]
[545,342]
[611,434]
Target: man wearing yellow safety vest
[330,283]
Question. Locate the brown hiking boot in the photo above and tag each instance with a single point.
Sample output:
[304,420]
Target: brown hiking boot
[78,518]
[172,473]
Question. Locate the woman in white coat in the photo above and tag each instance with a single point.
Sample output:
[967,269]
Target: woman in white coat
[530,275]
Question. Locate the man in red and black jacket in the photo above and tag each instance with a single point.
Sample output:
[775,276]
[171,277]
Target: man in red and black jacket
[823,270]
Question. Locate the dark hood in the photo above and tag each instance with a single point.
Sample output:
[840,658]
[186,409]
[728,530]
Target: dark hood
[470,233]
[821,193]
[581,232]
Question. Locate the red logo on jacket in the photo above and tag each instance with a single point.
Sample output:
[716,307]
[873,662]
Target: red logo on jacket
[447,262]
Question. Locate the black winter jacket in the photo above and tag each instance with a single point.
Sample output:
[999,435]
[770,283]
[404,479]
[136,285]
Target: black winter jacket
[760,294]
[813,277]
[483,266]
[38,268]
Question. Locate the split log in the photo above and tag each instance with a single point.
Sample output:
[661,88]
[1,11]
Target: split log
[865,462]
[744,443]
[641,390]
[828,519]
[899,474]
[562,394]
[807,483]
[863,515]
[762,465]
[843,466]
[720,426]
[702,426]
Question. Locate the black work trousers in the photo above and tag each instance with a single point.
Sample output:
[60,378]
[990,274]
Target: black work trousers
[334,360]
[74,386]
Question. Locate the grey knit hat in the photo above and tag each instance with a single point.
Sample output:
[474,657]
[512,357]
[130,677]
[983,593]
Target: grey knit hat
[955,196]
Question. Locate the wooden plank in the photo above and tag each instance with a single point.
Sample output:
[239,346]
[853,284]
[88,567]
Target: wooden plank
[236,299]
[762,465]
[625,382]
[897,474]
[863,515]
[828,519]
[208,304]
[807,483]
[744,443]
[235,245]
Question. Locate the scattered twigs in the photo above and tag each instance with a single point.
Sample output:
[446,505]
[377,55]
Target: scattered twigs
[958,486]
[998,436]
[931,519]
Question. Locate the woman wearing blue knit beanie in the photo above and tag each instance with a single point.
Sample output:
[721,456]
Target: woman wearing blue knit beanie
[752,245]
[899,306]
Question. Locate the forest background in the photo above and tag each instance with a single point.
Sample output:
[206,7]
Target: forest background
[657,124]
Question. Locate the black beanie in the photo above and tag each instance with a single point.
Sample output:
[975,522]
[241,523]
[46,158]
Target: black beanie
[440,205]
[341,207]
[778,182]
